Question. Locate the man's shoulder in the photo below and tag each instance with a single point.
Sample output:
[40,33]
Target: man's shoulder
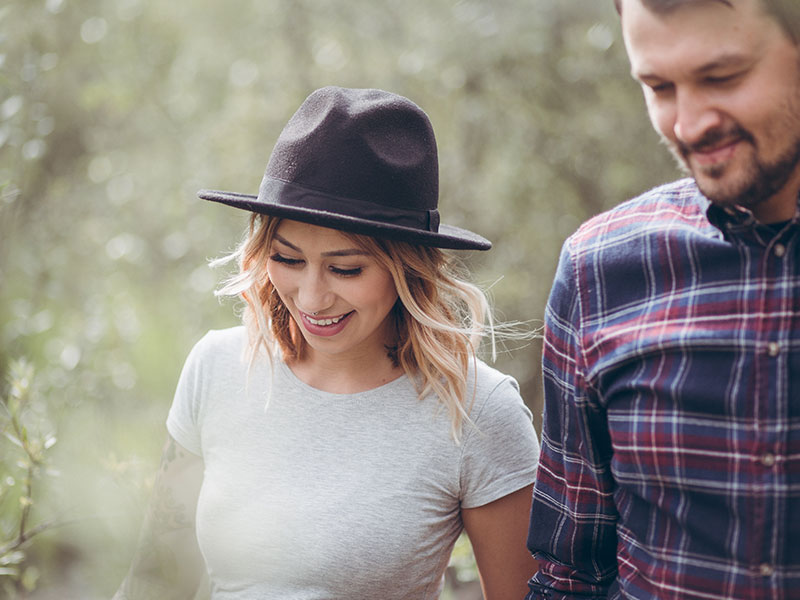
[682,192]
[678,204]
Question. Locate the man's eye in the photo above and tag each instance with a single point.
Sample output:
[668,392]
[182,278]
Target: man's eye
[660,88]
[722,79]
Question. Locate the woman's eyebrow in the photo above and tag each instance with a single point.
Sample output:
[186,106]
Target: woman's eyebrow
[343,252]
[286,242]
[346,252]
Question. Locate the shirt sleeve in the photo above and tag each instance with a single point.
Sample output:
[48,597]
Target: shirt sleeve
[573,517]
[501,452]
[183,422]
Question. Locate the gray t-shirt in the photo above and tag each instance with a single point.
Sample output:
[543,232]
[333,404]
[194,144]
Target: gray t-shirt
[337,495]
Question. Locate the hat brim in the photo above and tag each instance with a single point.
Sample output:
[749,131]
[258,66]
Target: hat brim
[448,236]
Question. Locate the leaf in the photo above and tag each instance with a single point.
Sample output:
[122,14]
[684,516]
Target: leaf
[12,558]
[14,439]
[30,578]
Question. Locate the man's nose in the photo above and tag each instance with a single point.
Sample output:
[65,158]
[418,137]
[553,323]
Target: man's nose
[695,116]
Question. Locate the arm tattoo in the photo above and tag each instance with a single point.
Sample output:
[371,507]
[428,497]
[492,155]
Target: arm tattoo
[157,562]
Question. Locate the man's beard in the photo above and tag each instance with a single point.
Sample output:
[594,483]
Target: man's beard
[760,180]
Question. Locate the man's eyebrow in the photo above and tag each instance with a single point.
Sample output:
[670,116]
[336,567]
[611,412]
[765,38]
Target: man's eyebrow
[343,252]
[724,61]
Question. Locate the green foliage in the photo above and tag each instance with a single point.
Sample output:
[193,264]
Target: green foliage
[462,561]
[27,439]
[113,113]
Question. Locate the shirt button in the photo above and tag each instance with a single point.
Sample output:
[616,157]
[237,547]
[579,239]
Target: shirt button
[767,459]
[780,250]
[773,349]
[765,569]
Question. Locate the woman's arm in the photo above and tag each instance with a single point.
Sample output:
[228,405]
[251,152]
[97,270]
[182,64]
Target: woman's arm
[497,532]
[167,564]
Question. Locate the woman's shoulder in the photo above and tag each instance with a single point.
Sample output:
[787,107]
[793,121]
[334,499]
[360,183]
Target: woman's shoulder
[500,438]
[488,379]
[230,336]
[496,394]
[220,345]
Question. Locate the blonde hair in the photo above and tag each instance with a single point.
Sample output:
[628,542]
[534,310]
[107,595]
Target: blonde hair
[439,318]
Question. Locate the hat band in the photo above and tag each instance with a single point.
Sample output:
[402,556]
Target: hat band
[283,193]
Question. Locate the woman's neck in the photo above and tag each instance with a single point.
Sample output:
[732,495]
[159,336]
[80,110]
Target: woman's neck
[340,375]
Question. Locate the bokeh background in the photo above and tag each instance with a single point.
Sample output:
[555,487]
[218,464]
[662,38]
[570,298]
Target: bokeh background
[113,113]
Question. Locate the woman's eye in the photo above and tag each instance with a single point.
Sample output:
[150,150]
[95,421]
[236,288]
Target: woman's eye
[347,272]
[279,258]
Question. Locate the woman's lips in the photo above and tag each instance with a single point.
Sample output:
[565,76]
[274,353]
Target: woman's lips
[325,326]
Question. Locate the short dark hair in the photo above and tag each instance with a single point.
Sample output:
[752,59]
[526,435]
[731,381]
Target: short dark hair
[785,12]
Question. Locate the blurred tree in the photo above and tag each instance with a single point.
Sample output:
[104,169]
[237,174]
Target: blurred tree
[114,112]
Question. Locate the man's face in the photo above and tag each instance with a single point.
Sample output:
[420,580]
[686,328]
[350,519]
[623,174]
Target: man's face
[722,87]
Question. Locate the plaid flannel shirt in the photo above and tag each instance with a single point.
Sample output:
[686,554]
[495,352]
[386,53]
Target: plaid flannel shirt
[670,463]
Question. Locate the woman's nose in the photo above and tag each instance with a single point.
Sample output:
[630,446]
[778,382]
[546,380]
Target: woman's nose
[314,294]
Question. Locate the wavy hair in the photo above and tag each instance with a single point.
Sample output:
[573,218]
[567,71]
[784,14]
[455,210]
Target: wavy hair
[439,318]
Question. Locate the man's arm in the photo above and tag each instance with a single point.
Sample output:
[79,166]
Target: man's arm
[573,517]
[167,564]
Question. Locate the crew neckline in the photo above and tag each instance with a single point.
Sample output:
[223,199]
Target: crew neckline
[299,383]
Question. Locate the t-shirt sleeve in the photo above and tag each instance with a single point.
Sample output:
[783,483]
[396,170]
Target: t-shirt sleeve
[183,422]
[501,452]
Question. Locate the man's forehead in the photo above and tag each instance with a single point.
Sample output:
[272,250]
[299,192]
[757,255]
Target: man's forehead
[666,6]
[701,35]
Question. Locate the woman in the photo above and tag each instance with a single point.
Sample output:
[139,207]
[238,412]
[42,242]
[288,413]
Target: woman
[336,445]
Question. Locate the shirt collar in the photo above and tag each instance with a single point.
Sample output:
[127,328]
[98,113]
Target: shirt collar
[735,217]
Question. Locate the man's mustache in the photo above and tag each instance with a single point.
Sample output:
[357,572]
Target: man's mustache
[713,139]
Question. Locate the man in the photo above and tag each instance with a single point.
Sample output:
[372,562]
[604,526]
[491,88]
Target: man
[670,460]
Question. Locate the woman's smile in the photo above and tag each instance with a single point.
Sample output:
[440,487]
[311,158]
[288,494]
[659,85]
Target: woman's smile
[324,326]
[338,293]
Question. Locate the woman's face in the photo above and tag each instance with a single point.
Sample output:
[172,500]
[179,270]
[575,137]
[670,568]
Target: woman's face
[338,294]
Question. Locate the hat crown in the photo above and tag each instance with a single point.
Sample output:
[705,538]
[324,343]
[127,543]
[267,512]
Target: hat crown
[357,160]
[361,144]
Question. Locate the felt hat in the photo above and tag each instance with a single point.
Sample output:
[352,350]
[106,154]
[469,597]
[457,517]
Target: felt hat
[358,160]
